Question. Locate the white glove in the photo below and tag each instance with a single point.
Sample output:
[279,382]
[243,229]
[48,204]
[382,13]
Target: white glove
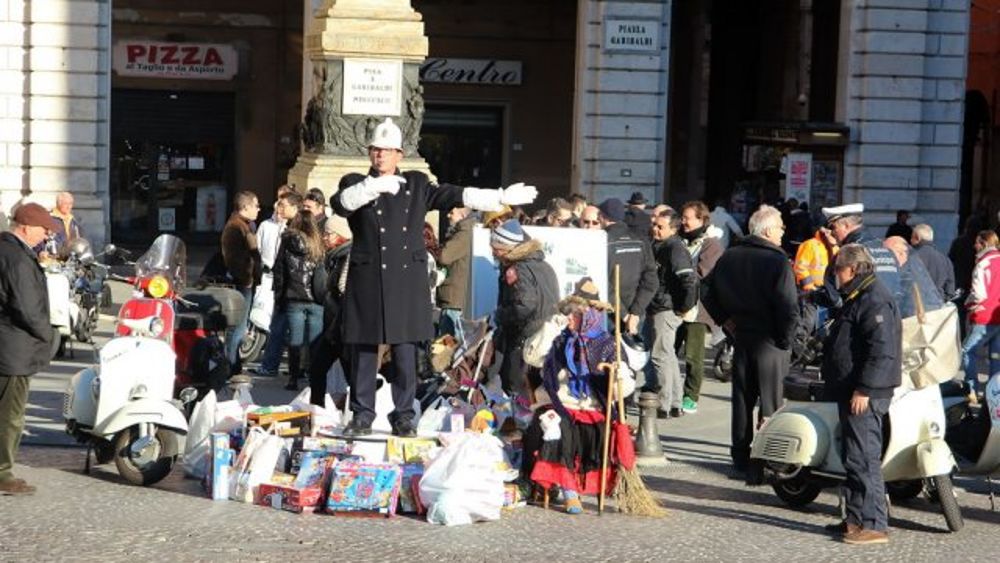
[518,194]
[493,200]
[367,190]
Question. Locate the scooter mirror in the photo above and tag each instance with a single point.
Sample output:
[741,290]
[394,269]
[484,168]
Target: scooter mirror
[110,249]
[188,395]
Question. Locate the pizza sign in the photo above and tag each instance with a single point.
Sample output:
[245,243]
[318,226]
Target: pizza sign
[199,61]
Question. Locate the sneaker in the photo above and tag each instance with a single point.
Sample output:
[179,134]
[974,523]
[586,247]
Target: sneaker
[676,412]
[862,536]
[261,372]
[689,405]
[14,487]
[662,414]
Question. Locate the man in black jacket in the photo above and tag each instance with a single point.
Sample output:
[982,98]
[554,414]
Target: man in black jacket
[676,295]
[861,366]
[386,298]
[751,293]
[25,332]
[938,265]
[634,256]
[529,293]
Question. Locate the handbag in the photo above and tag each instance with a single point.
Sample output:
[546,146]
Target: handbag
[537,346]
[318,283]
[931,344]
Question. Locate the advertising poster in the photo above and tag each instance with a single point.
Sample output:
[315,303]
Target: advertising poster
[798,176]
[572,253]
[210,209]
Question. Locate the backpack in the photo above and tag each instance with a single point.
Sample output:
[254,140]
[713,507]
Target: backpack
[208,363]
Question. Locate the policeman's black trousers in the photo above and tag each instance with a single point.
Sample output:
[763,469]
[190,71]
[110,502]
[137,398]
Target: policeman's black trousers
[759,370]
[402,375]
[861,448]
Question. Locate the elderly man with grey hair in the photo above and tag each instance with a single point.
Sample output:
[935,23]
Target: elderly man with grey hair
[751,293]
[938,265]
[861,367]
[69,226]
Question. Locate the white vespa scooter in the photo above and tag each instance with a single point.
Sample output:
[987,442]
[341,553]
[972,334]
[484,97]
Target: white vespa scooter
[798,449]
[123,408]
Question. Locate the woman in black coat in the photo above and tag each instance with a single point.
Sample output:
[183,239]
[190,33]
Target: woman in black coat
[300,253]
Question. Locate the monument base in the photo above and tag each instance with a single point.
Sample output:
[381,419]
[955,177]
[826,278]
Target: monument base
[325,171]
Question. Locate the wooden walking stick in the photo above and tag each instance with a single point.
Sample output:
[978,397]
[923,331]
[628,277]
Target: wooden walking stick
[607,413]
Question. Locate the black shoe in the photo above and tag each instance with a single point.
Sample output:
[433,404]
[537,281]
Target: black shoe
[292,385]
[358,428]
[662,414]
[403,429]
[676,413]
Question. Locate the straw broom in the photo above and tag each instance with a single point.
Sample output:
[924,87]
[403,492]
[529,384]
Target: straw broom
[631,494]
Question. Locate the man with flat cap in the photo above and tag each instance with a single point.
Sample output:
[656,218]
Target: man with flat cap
[846,223]
[25,332]
[385,300]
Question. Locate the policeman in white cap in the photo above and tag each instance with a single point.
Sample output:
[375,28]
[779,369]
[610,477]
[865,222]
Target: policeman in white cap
[387,283]
[846,222]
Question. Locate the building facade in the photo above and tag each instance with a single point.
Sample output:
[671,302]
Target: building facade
[155,117]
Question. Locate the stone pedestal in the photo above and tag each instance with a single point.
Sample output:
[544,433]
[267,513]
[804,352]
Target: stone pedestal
[335,143]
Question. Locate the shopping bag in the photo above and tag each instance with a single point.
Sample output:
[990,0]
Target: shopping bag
[433,420]
[255,464]
[462,484]
[324,418]
[196,447]
[931,346]
[537,346]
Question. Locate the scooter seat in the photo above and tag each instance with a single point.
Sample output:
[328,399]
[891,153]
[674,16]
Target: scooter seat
[189,321]
[799,388]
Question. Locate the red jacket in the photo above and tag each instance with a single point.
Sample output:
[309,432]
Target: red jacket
[984,297]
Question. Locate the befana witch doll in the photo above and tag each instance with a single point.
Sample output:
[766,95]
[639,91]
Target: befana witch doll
[563,443]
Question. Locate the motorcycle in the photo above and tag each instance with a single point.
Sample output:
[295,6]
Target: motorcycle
[76,291]
[973,431]
[123,407]
[797,450]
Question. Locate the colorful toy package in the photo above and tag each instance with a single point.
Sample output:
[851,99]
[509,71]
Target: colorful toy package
[292,499]
[412,472]
[364,488]
[314,469]
[408,450]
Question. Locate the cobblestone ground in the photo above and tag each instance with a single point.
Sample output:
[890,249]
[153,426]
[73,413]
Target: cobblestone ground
[98,517]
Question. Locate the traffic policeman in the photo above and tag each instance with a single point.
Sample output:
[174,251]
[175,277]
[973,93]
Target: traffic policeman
[385,300]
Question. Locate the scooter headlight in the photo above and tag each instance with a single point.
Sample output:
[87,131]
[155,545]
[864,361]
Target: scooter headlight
[158,287]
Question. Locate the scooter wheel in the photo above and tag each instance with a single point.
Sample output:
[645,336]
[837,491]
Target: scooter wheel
[252,345]
[797,491]
[949,503]
[138,472]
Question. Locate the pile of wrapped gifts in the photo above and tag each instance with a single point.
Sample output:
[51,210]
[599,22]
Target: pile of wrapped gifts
[293,458]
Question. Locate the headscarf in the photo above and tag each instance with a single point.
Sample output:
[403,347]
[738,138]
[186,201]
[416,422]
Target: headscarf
[576,353]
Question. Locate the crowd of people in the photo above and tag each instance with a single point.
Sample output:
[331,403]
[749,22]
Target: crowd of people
[356,279]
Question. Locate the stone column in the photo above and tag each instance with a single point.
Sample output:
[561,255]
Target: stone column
[902,89]
[55,89]
[335,144]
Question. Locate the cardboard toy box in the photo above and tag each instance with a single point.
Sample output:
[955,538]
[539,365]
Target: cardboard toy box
[364,489]
[286,423]
[292,499]
[221,466]
[408,450]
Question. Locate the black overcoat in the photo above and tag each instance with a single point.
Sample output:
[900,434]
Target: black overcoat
[25,330]
[386,300]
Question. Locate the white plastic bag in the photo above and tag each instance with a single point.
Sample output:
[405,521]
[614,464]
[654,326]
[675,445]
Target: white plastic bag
[257,466]
[462,483]
[433,420]
[196,455]
[323,418]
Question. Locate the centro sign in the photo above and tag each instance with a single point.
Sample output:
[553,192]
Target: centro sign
[486,72]
[200,61]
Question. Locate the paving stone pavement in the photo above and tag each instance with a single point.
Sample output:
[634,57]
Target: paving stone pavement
[98,517]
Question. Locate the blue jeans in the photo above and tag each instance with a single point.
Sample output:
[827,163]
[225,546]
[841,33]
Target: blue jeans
[305,322]
[275,340]
[234,337]
[979,335]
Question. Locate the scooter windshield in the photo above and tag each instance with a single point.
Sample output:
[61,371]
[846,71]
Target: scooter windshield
[166,257]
